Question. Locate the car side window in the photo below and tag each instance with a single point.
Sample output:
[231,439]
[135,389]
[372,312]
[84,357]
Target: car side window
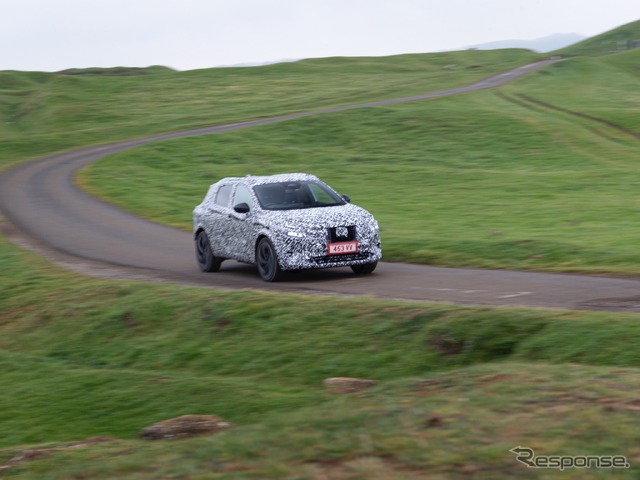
[242,195]
[222,197]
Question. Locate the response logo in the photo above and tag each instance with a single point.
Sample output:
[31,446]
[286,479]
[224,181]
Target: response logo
[562,462]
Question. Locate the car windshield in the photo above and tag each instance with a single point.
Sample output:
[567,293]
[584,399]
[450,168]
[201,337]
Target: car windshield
[296,195]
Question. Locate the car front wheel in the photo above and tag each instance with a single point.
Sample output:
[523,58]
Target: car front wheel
[267,261]
[364,268]
[207,261]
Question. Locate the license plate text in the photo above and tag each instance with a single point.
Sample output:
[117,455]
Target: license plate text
[342,248]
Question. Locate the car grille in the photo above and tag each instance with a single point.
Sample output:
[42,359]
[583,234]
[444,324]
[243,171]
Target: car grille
[342,234]
[329,259]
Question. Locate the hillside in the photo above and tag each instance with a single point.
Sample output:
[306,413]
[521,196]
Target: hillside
[496,179]
[45,112]
[623,38]
[541,174]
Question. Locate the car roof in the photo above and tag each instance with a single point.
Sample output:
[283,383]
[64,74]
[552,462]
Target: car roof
[260,180]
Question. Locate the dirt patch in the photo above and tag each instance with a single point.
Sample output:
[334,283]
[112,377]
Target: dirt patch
[628,304]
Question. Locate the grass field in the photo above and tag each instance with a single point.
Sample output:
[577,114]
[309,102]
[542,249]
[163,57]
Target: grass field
[458,387]
[540,174]
[41,113]
[613,41]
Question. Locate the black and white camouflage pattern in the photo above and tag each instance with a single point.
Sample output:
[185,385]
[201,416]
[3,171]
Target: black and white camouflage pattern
[300,237]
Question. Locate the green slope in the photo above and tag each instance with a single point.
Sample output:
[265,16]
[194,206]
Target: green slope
[42,113]
[618,40]
[539,174]
[550,160]
[458,387]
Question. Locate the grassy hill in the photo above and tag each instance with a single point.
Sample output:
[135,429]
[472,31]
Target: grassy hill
[45,112]
[542,173]
[457,387]
[621,39]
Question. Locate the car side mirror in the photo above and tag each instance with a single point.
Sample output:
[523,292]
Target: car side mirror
[346,198]
[242,208]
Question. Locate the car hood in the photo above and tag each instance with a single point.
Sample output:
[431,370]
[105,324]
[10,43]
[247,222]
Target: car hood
[311,218]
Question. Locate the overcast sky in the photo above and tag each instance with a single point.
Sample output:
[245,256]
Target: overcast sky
[52,35]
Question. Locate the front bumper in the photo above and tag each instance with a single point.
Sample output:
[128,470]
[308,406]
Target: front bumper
[310,252]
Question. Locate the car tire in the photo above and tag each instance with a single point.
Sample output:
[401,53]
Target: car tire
[207,261]
[364,269]
[267,261]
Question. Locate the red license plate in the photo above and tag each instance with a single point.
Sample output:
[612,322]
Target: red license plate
[342,248]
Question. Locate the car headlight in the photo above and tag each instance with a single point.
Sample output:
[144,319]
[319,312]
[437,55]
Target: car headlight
[374,228]
[294,231]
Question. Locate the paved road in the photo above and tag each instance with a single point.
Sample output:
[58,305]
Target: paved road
[45,210]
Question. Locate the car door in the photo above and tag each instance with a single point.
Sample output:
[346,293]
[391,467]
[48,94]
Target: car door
[218,220]
[242,228]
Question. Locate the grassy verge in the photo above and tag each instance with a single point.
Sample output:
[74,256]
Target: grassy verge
[458,387]
[458,424]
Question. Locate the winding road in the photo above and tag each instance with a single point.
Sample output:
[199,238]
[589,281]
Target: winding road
[45,211]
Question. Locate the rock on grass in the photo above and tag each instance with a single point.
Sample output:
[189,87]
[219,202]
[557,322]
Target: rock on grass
[348,384]
[184,427]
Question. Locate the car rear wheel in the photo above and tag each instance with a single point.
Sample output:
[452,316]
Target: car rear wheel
[364,268]
[267,261]
[207,261]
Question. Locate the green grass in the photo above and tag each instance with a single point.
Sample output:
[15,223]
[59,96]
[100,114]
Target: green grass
[613,41]
[541,174]
[458,387]
[456,425]
[41,113]
[531,176]
[603,88]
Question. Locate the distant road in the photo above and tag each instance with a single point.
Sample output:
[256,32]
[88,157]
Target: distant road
[47,212]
